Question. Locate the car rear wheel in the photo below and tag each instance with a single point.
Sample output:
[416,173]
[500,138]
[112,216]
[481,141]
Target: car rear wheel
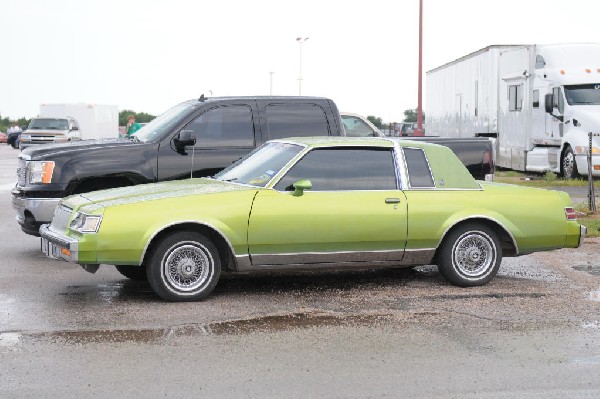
[184,266]
[470,255]
[136,273]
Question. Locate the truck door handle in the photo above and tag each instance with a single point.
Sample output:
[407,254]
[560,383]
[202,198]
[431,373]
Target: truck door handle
[392,200]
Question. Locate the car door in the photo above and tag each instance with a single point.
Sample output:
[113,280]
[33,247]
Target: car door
[354,211]
[223,134]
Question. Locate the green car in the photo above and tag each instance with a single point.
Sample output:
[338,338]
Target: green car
[312,203]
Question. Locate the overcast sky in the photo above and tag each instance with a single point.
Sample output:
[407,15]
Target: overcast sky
[149,55]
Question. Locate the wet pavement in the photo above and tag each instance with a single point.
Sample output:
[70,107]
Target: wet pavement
[534,331]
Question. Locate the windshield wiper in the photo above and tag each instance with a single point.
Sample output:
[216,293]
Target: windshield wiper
[228,180]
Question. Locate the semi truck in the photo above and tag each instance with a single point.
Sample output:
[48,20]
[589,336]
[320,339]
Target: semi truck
[58,123]
[539,102]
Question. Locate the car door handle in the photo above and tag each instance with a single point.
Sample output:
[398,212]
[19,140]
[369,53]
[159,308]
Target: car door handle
[392,200]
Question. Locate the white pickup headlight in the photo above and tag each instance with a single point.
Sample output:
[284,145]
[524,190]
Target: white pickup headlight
[40,171]
[84,223]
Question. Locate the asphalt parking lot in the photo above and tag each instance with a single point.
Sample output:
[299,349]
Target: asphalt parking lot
[534,331]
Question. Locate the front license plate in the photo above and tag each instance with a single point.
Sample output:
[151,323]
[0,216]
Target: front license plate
[50,250]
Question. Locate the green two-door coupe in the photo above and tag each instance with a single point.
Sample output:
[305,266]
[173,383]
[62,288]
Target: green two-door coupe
[312,203]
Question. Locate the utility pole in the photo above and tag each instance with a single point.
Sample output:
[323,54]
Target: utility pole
[419,131]
[300,41]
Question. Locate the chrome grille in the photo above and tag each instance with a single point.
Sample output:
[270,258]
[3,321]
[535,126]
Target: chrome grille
[22,173]
[61,218]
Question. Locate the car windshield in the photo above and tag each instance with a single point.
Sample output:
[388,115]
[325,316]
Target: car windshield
[49,124]
[163,123]
[583,94]
[261,165]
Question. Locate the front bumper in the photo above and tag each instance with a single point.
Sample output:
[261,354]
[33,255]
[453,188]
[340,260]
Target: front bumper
[582,164]
[33,212]
[58,246]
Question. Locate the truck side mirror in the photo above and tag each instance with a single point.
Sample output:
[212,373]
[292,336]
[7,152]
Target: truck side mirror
[549,103]
[185,138]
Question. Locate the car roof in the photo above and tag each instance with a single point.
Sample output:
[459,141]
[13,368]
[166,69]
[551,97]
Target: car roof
[354,141]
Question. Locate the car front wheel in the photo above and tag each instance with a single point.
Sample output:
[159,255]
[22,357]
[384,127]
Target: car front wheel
[470,255]
[184,266]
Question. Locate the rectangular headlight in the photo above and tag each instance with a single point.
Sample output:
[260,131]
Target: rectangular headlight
[40,171]
[84,223]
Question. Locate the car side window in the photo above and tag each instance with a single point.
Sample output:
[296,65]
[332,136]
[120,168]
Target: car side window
[296,120]
[226,126]
[344,168]
[419,173]
[355,127]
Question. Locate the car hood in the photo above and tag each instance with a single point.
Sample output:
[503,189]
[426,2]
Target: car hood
[42,151]
[95,200]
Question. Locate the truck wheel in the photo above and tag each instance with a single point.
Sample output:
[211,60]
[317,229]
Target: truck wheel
[136,273]
[569,166]
[470,255]
[184,266]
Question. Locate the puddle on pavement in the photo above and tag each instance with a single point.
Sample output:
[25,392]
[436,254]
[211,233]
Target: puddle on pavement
[266,324]
[108,293]
[594,270]
[485,296]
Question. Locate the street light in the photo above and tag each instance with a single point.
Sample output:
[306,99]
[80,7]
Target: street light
[300,40]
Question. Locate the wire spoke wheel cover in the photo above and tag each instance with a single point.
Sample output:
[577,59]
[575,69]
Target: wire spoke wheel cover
[186,267]
[470,255]
[473,254]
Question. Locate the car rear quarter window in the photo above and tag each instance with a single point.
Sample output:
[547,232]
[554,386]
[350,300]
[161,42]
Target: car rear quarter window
[296,120]
[335,169]
[227,126]
[419,173]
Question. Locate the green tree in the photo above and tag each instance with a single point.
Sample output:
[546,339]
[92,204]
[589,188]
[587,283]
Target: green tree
[410,115]
[376,121]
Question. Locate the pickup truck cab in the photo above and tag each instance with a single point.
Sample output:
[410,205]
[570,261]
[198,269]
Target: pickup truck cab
[195,138]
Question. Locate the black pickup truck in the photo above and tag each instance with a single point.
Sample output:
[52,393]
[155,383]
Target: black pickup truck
[195,138]
[225,129]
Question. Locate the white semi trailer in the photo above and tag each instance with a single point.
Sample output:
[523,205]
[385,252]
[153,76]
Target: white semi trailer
[539,102]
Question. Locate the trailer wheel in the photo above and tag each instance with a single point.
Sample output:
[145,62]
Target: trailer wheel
[569,166]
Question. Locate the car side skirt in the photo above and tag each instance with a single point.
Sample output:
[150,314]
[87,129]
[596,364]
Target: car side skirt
[335,259]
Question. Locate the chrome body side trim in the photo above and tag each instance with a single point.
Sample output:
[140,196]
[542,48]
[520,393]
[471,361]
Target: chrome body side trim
[243,262]
[316,260]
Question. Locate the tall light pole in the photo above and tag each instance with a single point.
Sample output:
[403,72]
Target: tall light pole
[300,41]
[419,131]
